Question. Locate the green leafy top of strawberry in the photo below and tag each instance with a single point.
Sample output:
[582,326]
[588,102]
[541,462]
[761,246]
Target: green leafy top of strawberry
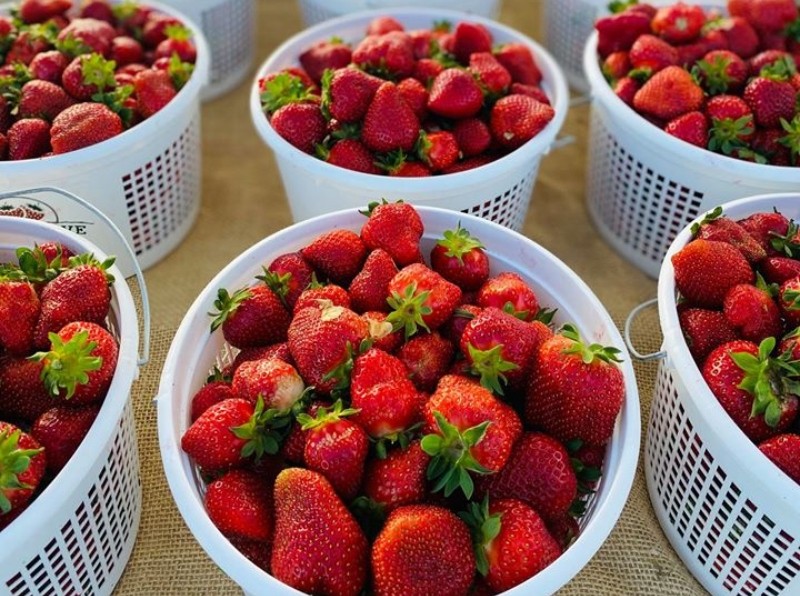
[47,31]
[712,215]
[9,273]
[485,527]
[283,89]
[277,282]
[442,26]
[545,315]
[68,363]
[90,260]
[125,9]
[792,138]
[326,415]
[791,299]
[459,242]
[98,71]
[342,372]
[452,460]
[218,375]
[370,515]
[36,267]
[264,432]
[444,58]
[179,71]
[726,134]
[226,304]
[781,69]
[408,310]
[72,47]
[115,100]
[793,30]
[713,74]
[770,289]
[589,353]
[617,6]
[11,85]
[768,379]
[13,462]
[490,366]
[178,32]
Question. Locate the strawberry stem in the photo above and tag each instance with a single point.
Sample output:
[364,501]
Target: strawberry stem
[264,432]
[409,310]
[68,364]
[485,527]
[589,353]
[13,462]
[490,365]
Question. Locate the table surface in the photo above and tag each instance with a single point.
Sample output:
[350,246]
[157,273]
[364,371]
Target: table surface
[243,201]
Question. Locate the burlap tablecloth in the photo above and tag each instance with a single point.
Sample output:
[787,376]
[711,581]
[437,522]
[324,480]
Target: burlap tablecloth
[243,201]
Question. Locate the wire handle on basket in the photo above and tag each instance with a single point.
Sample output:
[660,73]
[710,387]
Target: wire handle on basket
[580,100]
[627,334]
[561,142]
[144,357]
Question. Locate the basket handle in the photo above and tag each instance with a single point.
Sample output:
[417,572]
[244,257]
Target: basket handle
[561,142]
[144,356]
[660,355]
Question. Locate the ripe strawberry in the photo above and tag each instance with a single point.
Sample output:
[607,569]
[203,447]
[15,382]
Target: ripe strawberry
[470,38]
[717,227]
[721,71]
[739,34]
[381,331]
[420,297]
[691,127]
[19,311]
[154,90]
[515,119]
[784,452]
[679,23]
[415,94]
[468,430]
[616,66]
[323,341]
[410,557]
[383,24]
[275,381]
[732,124]
[765,15]
[771,100]
[332,293]
[427,356]
[39,11]
[768,146]
[626,89]
[387,409]
[706,269]
[510,293]
[239,504]
[789,301]
[24,396]
[178,42]
[301,124]
[399,479]
[472,136]
[279,350]
[492,75]
[327,54]
[318,546]
[154,30]
[95,34]
[777,270]
[42,99]
[126,50]
[455,94]
[294,445]
[769,229]
[389,55]
[373,367]
[617,32]
[347,93]
[576,390]
[752,312]
[651,54]
[250,317]
[438,149]
[427,69]
[389,123]
[459,258]
[770,59]
[288,275]
[669,93]
[512,543]
[28,138]
[704,330]
[518,60]
[61,429]
[83,124]
[97,9]
[395,228]
[213,392]
[754,388]
[338,255]
[370,287]
[403,168]
[87,75]
[25,46]
[22,467]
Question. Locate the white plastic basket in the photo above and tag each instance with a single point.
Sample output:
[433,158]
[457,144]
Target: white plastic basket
[147,179]
[316,11]
[500,191]
[229,27]
[732,516]
[644,185]
[195,350]
[77,535]
[567,25]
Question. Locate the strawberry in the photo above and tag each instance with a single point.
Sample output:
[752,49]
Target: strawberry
[82,125]
[399,478]
[39,11]
[275,381]
[427,356]
[154,90]
[777,270]
[332,293]
[626,89]
[784,452]
[691,127]
[347,93]
[770,58]
[155,28]
[472,136]
[389,123]
[381,331]
[739,34]
[19,311]
[323,341]
[755,389]
[455,94]
[459,258]
[87,75]
[766,15]
[97,9]
[370,287]
[768,146]
[338,255]
[771,100]
[492,75]
[279,350]
[327,54]
[716,227]
[250,317]
[23,397]
[410,557]
[617,32]
[469,163]
[388,55]
[373,367]
[26,45]
[518,60]
[616,66]
[510,293]
[94,34]
[301,124]
[789,301]
[288,275]
[415,94]
[438,149]
[239,504]
[294,445]
[732,124]
[576,390]
[770,230]
[383,24]
[703,330]
[453,329]
[721,71]
[706,269]
[420,297]
[126,50]
[42,99]
[678,23]
[22,467]
[61,429]
[426,69]
[669,93]
[403,168]
[468,430]
[289,85]
[318,546]
[515,119]
[650,54]
[395,228]
[752,312]
[28,138]
[470,38]
[386,409]
[512,543]
[178,42]
[214,391]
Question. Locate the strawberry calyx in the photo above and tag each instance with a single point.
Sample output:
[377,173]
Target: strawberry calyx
[485,527]
[545,315]
[409,310]
[510,309]
[792,30]
[392,161]
[343,371]
[770,289]
[452,460]
[226,305]
[217,375]
[264,432]
[34,264]
[277,282]
[401,438]
[370,515]
[791,299]
[283,89]
[617,6]
[179,71]
[325,415]
[727,134]
[459,242]
[713,74]
[71,46]
[641,75]
[791,139]
[712,215]
[588,353]
[490,365]
[68,363]
[11,85]
[98,71]
[177,32]
[116,100]
[14,461]
[780,70]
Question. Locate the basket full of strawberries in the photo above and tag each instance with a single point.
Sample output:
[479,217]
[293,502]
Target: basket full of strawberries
[723,442]
[693,105]
[430,106]
[390,402]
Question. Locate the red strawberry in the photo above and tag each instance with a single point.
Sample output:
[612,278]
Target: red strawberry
[23,396]
[154,90]
[87,75]
[211,393]
[82,125]
[768,147]
[752,312]
[318,547]
[399,479]
[279,350]
[427,356]
[294,445]
[19,311]
[768,229]
[42,99]
[338,255]
[784,452]
[25,46]
[732,128]
[28,138]
[126,50]
[706,269]
[789,301]
[518,60]
[22,467]
[239,504]
[408,169]
[420,297]
[97,9]
[275,381]
[179,43]
[459,258]
[771,100]
[455,94]
[415,94]
[777,270]
[370,287]
[494,77]
[389,123]
[95,34]
[154,29]
[704,330]
[438,149]
[691,127]
[721,71]
[679,23]
[332,293]
[742,39]
[651,54]
[327,54]
[39,11]
[617,32]
[387,409]
[765,15]
[515,119]
[770,58]
[301,124]
[373,367]
[388,55]
[383,24]
[347,93]
[576,390]
[427,69]
[717,227]
[472,136]
[395,228]
[512,543]
[61,429]
[669,93]
[470,38]
[409,556]
[510,293]
[752,387]
[250,317]
[381,331]
[288,275]
[626,89]
[616,66]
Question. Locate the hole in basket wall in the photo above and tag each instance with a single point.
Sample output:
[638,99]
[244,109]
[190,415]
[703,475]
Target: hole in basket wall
[230,35]
[510,208]
[568,24]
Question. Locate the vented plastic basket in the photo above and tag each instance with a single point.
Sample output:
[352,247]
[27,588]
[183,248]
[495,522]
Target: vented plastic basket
[732,516]
[147,179]
[229,27]
[195,350]
[77,535]
[500,191]
[644,185]
[567,25]
[316,11]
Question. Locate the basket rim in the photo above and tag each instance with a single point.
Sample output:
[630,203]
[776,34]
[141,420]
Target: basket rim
[139,133]
[179,471]
[715,420]
[554,81]
[73,476]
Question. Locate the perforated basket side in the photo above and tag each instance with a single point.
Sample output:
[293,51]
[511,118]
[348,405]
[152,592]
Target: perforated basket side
[567,26]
